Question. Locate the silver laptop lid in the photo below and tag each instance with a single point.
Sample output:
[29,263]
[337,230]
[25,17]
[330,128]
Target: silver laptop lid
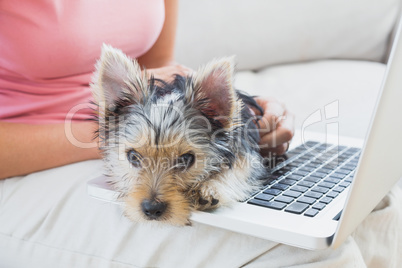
[380,164]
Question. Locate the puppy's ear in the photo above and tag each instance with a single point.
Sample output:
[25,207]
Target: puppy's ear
[214,84]
[118,80]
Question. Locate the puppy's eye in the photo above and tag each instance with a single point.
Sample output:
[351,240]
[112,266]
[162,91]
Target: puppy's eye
[185,161]
[134,158]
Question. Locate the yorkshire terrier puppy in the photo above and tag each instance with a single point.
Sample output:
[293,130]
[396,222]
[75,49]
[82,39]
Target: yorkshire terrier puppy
[173,147]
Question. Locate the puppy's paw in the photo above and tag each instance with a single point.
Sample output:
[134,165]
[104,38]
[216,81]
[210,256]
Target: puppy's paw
[205,198]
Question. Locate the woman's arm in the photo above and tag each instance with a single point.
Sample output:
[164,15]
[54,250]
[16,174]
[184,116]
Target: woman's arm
[28,148]
[162,52]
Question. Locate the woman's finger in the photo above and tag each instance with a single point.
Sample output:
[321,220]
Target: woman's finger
[278,150]
[282,134]
[273,111]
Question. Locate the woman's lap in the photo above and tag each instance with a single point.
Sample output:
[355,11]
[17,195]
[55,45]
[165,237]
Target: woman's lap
[47,219]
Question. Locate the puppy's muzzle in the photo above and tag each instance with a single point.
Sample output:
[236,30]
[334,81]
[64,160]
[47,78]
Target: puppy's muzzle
[153,209]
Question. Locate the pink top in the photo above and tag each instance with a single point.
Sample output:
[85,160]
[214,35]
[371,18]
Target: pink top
[48,49]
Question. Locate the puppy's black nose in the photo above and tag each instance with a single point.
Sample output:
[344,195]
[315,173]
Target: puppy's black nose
[153,209]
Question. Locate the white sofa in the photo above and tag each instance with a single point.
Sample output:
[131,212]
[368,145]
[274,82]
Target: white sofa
[308,54]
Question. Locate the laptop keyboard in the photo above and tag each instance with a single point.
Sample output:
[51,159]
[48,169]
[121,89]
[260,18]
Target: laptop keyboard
[308,179]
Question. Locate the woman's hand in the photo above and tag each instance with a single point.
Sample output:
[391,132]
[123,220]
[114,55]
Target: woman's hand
[167,73]
[276,126]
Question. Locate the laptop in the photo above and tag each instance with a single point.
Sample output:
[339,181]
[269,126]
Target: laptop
[319,191]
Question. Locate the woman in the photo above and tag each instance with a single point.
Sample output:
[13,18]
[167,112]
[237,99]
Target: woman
[47,56]
[48,51]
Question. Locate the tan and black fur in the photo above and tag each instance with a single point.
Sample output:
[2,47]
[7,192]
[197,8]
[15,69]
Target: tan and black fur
[171,148]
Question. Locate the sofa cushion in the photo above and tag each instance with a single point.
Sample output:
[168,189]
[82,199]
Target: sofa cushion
[267,32]
[347,89]
[48,220]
